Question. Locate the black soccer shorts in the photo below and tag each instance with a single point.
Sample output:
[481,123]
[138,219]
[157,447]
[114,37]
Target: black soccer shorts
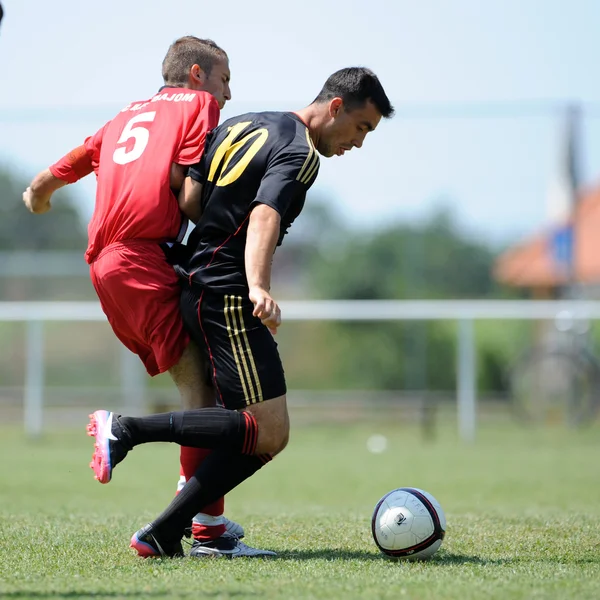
[240,351]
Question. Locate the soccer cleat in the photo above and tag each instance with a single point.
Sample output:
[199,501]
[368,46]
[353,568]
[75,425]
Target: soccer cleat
[231,527]
[147,545]
[108,449]
[226,546]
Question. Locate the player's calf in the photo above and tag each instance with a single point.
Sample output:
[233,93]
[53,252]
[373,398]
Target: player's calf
[204,428]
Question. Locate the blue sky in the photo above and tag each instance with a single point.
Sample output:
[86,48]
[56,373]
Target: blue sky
[477,85]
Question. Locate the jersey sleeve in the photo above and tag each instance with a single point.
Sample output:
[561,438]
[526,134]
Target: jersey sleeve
[93,145]
[73,166]
[80,161]
[291,171]
[205,119]
[198,171]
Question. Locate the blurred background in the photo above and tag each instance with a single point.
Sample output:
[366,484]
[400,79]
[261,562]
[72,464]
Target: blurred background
[484,187]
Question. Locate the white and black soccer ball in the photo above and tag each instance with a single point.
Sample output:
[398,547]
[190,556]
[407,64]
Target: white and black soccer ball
[408,523]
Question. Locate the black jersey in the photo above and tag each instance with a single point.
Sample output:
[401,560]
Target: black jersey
[256,158]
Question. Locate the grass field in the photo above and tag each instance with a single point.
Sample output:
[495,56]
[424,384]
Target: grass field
[523,513]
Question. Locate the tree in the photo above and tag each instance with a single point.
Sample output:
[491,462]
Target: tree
[39,237]
[314,233]
[432,260]
[60,229]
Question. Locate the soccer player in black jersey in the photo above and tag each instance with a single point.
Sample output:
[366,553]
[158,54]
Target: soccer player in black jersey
[243,196]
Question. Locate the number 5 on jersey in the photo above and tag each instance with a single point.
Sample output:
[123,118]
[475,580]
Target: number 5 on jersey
[141,135]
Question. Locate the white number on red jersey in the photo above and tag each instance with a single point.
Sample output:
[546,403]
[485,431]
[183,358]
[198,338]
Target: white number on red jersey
[121,156]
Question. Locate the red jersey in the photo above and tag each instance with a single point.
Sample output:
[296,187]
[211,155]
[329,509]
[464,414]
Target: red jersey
[132,156]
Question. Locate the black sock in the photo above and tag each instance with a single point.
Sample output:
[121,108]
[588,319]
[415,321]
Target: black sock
[220,472]
[201,428]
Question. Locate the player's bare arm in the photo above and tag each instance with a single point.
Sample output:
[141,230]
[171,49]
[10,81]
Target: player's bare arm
[261,240]
[190,198]
[177,176]
[70,168]
[38,195]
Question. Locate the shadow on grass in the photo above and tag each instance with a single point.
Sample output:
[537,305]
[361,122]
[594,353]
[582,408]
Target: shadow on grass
[443,558]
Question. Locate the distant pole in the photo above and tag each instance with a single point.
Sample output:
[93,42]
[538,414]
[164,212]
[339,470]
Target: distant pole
[563,200]
[133,383]
[466,383]
[33,402]
[575,289]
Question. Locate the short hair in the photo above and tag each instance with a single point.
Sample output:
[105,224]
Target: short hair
[186,52]
[356,85]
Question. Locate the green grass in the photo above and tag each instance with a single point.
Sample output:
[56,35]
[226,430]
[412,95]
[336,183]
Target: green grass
[523,519]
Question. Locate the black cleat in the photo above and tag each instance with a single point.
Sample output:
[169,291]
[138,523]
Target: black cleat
[147,545]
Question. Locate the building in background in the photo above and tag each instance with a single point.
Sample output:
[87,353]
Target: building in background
[560,255]
[556,261]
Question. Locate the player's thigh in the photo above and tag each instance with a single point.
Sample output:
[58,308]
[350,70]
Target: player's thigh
[243,356]
[192,379]
[139,292]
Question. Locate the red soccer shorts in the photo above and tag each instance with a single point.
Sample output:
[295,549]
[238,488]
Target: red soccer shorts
[139,293]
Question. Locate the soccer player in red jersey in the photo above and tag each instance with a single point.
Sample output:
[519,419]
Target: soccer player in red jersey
[140,158]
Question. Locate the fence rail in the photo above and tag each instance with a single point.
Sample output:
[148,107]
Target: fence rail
[346,310]
[464,312]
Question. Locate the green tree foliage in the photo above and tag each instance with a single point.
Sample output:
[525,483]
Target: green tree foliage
[42,241]
[59,229]
[432,260]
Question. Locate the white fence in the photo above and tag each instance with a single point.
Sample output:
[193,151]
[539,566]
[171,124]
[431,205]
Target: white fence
[464,312]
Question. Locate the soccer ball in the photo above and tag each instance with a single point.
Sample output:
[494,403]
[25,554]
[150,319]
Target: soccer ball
[408,523]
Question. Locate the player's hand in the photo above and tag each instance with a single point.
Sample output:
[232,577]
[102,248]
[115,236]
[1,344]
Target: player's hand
[36,204]
[266,309]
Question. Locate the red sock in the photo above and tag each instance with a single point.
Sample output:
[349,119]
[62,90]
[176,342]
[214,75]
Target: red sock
[209,523]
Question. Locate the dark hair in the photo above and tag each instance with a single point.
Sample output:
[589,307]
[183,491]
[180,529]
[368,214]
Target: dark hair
[356,85]
[185,52]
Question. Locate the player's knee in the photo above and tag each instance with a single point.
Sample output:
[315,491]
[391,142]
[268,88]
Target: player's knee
[273,440]
[283,438]
[273,445]
[273,425]
[284,442]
